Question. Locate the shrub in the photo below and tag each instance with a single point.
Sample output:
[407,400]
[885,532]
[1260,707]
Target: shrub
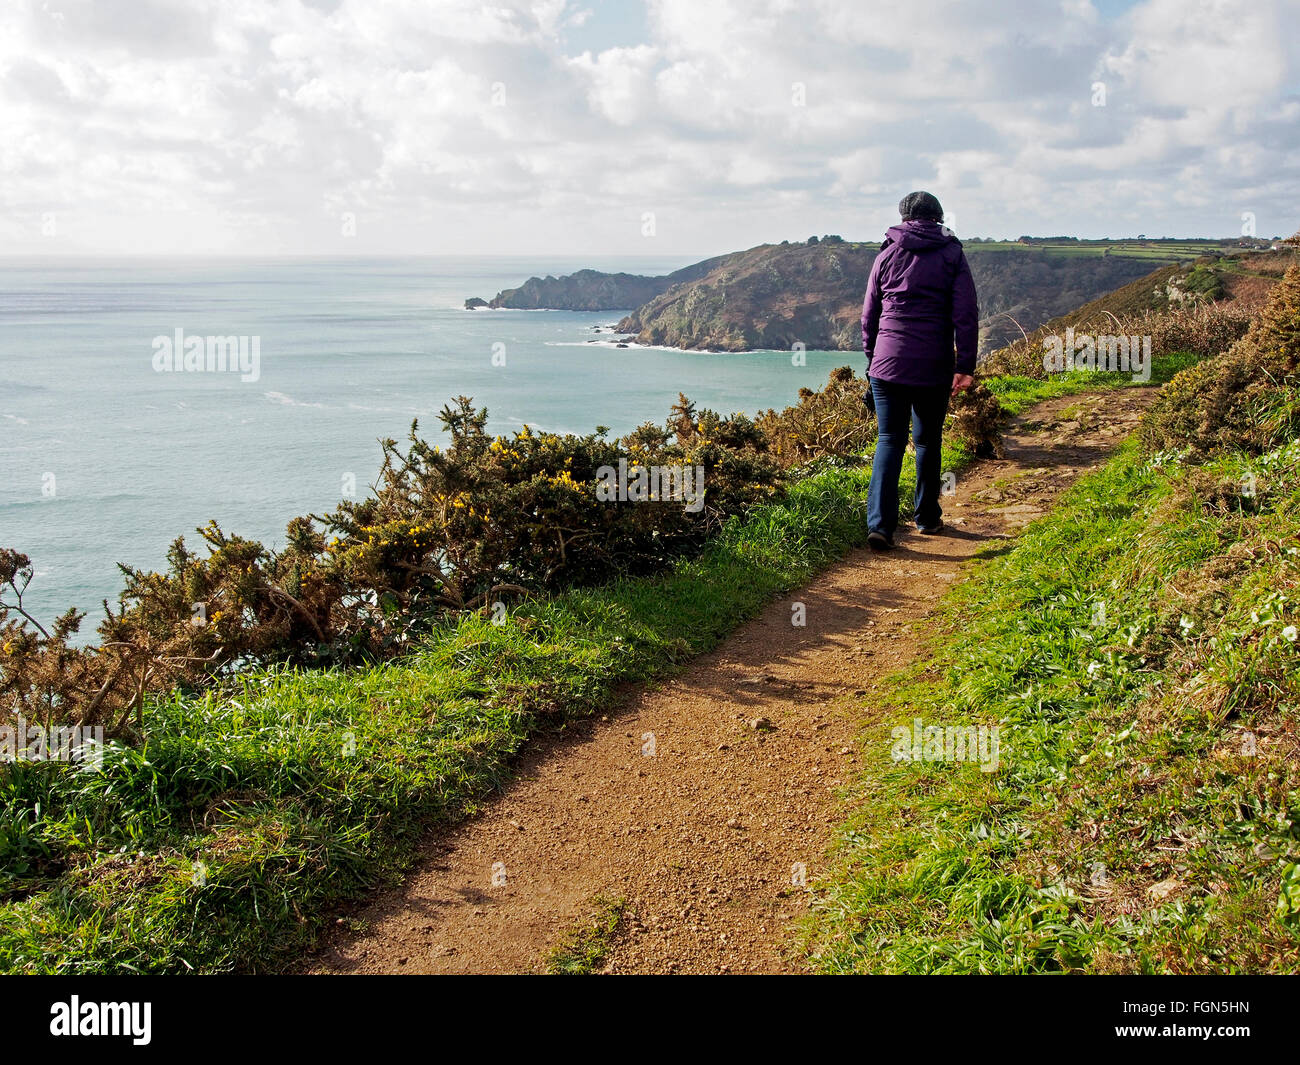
[975,417]
[445,530]
[834,421]
[1202,328]
[1243,400]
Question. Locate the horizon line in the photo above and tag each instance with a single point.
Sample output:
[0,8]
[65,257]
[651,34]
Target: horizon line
[270,256]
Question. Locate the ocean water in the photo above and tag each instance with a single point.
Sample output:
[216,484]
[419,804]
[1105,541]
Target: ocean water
[104,459]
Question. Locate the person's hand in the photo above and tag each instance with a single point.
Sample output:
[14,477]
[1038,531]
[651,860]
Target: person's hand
[961,382]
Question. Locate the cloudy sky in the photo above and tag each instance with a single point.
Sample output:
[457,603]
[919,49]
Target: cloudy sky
[669,126]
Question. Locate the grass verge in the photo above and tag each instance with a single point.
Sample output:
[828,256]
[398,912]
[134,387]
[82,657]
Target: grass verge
[1137,650]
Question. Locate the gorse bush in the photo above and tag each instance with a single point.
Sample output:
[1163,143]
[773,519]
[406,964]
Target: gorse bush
[834,421]
[483,520]
[975,418]
[1242,399]
[1203,329]
[456,527]
[1196,327]
[445,530]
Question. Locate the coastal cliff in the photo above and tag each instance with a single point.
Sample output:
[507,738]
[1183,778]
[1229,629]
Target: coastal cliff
[592,290]
[776,295]
[810,292]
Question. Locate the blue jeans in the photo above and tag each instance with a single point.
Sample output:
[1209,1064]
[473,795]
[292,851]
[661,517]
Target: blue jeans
[895,404]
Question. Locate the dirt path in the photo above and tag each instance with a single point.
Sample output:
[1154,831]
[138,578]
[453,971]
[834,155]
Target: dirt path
[699,800]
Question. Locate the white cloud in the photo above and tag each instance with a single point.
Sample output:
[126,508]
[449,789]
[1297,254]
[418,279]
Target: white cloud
[618,82]
[245,126]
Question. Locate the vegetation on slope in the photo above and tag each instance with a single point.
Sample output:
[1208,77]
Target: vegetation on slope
[1201,307]
[1137,650]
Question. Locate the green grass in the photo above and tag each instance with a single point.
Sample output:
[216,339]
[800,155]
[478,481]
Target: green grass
[583,951]
[1016,393]
[1137,651]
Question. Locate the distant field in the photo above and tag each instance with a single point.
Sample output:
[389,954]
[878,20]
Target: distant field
[1161,251]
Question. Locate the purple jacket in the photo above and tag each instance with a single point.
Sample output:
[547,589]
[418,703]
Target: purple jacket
[920,299]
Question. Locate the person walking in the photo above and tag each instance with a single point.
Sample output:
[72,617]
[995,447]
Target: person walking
[920,333]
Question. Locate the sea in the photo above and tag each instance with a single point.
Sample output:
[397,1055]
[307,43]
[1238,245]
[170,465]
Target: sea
[107,455]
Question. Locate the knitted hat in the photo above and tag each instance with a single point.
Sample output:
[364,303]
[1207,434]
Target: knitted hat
[920,205]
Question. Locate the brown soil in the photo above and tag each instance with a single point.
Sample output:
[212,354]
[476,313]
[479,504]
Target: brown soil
[705,833]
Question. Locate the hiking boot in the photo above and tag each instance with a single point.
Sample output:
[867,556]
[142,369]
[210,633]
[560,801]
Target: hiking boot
[878,541]
[931,530]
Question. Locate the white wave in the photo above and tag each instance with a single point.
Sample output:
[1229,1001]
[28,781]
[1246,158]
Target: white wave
[629,346]
[289,401]
[588,344]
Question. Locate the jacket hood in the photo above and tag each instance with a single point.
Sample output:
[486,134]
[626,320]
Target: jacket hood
[919,234]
